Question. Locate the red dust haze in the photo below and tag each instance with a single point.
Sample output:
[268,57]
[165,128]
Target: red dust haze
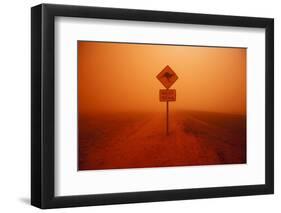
[122,77]
[122,123]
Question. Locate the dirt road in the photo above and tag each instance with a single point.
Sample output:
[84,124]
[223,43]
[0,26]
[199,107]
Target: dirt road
[134,141]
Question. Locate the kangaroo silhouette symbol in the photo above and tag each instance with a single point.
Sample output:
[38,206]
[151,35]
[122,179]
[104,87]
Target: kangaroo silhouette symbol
[168,75]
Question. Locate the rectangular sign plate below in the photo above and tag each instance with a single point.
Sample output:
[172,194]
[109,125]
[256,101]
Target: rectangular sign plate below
[167,94]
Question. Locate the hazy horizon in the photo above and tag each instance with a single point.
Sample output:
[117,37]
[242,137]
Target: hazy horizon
[121,77]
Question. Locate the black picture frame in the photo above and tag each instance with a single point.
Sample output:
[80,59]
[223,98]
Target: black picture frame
[43,101]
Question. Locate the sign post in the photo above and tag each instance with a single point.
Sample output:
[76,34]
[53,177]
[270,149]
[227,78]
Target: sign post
[167,118]
[167,77]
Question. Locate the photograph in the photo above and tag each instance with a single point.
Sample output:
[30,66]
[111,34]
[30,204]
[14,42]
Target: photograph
[138,105]
[146,105]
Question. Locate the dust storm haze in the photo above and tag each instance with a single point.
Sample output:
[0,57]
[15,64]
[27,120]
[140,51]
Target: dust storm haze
[118,77]
[123,124]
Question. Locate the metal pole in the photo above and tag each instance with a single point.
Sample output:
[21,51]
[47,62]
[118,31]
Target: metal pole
[167,117]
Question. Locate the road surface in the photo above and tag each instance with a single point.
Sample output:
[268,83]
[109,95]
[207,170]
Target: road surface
[138,141]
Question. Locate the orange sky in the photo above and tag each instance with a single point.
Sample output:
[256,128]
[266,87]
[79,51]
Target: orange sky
[122,77]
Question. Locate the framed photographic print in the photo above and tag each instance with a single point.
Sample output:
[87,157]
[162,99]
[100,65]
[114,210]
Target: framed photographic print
[139,106]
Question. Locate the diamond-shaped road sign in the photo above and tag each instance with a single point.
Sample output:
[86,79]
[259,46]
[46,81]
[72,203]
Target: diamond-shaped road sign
[167,77]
